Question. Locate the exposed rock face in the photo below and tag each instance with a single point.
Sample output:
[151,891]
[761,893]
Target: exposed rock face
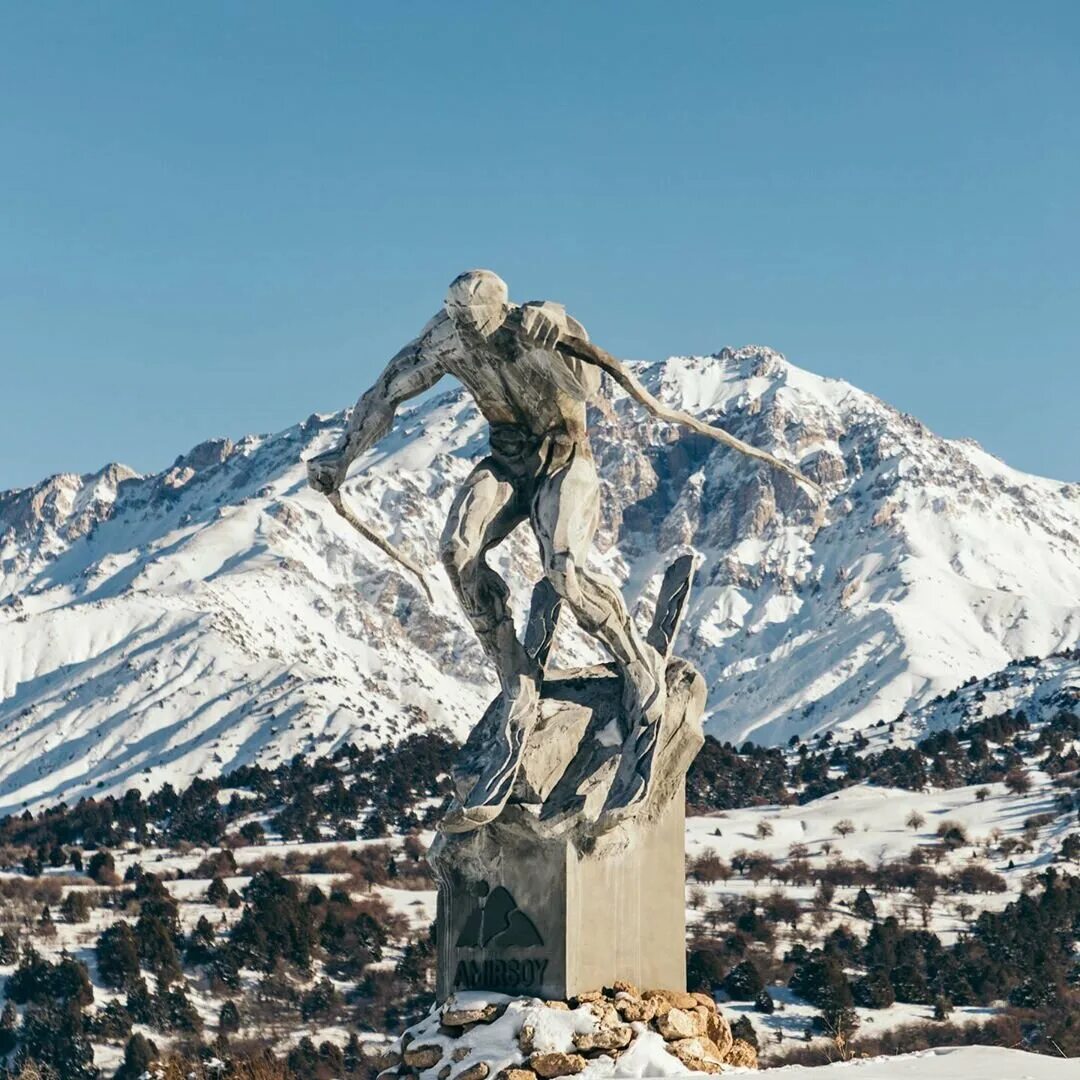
[136,604]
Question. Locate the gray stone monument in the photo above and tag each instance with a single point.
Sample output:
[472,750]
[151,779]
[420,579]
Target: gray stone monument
[560,863]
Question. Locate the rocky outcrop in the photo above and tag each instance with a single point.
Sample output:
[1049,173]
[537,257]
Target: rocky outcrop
[478,1035]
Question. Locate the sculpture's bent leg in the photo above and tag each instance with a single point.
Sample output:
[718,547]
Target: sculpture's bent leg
[486,510]
[565,515]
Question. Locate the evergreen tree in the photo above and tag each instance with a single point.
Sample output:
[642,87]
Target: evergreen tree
[139,1054]
[864,906]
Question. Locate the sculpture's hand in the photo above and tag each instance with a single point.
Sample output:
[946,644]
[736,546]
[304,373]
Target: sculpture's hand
[326,472]
[540,328]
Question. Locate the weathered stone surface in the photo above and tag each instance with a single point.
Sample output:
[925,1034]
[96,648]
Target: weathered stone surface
[704,999]
[516,1074]
[454,1017]
[586,996]
[423,1057]
[661,1003]
[460,1053]
[621,986]
[525,1039]
[606,1038]
[742,1054]
[678,999]
[559,1006]
[477,1071]
[551,1065]
[445,1071]
[699,1054]
[635,1009]
[719,1030]
[605,1013]
[680,1024]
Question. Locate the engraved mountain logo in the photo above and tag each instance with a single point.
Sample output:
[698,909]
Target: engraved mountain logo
[497,922]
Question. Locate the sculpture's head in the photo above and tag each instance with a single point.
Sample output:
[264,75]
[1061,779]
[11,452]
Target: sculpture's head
[478,301]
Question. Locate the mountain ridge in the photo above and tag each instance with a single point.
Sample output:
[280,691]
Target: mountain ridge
[156,626]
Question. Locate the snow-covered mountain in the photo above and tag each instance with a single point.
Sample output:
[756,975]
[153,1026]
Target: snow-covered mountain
[159,627]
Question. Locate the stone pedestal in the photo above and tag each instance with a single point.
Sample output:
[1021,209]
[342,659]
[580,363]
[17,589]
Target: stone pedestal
[539,902]
[546,920]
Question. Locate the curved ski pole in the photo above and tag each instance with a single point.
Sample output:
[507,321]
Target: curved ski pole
[382,544]
[591,354]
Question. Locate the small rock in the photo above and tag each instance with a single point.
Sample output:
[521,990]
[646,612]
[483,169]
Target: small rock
[719,1030]
[659,999]
[460,1053]
[477,1071]
[741,1054]
[460,1017]
[525,1038]
[423,1057]
[680,1024]
[681,999]
[699,1054]
[704,999]
[631,1009]
[586,996]
[621,986]
[558,1006]
[606,1039]
[516,1074]
[549,1066]
[444,1072]
[605,1013]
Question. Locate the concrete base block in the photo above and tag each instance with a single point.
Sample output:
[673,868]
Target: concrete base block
[539,917]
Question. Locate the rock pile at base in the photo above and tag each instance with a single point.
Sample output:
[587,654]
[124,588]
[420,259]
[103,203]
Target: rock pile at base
[486,1036]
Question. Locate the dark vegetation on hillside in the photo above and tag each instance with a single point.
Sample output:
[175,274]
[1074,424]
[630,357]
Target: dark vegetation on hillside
[339,955]
[406,787]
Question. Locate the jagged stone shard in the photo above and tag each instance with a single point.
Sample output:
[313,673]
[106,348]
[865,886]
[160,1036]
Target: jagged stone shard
[571,756]
[671,604]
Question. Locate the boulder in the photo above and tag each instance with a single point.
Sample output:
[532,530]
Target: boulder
[454,1017]
[699,1054]
[635,1009]
[423,1057]
[679,998]
[679,1024]
[742,1054]
[548,1066]
[606,1038]
[477,1071]
[719,1030]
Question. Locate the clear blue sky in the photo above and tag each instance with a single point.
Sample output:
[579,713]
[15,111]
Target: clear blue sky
[216,218]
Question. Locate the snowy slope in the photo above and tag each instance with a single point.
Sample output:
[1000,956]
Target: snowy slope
[952,1063]
[157,627]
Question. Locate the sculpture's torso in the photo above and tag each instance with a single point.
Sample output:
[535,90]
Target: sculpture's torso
[539,391]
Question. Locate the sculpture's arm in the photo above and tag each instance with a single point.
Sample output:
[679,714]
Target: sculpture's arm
[586,351]
[413,370]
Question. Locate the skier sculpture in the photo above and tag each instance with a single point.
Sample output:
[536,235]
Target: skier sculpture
[531,371]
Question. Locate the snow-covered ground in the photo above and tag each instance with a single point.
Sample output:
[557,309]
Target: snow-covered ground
[953,1063]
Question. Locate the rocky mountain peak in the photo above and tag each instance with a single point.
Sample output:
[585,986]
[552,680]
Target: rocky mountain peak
[219,612]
